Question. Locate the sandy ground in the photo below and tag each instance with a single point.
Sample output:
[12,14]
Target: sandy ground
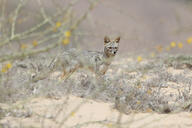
[142,25]
[71,112]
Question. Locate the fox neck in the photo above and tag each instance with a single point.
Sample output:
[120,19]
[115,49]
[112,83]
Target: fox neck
[107,57]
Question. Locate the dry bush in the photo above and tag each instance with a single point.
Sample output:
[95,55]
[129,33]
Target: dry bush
[31,32]
[24,67]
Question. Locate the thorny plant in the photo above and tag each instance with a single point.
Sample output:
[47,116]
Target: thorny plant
[129,90]
[52,30]
[48,32]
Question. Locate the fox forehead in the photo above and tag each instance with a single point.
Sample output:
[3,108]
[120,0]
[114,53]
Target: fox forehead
[112,44]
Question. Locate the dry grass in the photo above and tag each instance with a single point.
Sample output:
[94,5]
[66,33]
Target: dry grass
[161,83]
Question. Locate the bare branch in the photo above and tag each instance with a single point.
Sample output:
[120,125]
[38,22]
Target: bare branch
[19,6]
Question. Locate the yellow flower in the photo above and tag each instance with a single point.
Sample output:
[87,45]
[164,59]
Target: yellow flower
[139,58]
[35,43]
[66,41]
[149,92]
[8,65]
[189,40]
[4,69]
[173,44]
[58,24]
[68,34]
[72,113]
[180,45]
[23,46]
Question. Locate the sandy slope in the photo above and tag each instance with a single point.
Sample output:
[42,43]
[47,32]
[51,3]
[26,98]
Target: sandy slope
[73,111]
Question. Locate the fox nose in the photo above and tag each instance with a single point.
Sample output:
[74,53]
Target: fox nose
[114,52]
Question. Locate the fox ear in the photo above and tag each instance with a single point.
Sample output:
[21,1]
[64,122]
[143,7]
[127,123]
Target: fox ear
[117,39]
[106,39]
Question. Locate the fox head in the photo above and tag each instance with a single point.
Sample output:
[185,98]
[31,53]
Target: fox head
[111,47]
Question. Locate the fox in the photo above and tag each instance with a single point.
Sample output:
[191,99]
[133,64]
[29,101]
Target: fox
[98,62]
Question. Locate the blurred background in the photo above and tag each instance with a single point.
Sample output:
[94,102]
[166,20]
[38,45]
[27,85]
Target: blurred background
[151,73]
[144,26]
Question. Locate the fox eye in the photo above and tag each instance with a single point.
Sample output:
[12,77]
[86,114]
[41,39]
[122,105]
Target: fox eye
[110,47]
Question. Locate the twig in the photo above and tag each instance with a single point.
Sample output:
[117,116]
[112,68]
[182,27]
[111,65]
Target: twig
[19,6]
[101,122]
[26,54]
[36,27]
[69,115]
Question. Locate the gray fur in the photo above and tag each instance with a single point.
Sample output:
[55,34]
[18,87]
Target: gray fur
[97,62]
